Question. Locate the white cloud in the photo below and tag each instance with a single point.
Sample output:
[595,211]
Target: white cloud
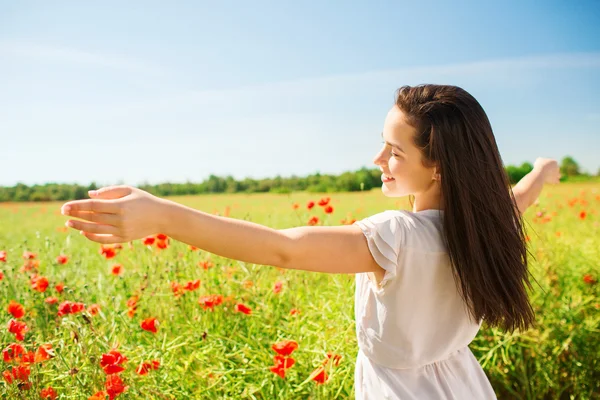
[66,55]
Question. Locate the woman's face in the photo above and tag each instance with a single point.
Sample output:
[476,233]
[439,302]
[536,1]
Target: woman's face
[400,160]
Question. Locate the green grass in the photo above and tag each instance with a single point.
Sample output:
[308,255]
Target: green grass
[225,354]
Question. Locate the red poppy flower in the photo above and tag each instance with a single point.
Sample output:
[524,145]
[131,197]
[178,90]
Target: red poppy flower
[177,289]
[111,362]
[294,311]
[132,305]
[44,352]
[149,240]
[243,309]
[192,285]
[48,393]
[192,248]
[310,205]
[93,309]
[13,352]
[277,287]
[162,236]
[335,357]
[18,329]
[589,279]
[324,201]
[59,287]
[205,264]
[281,365]
[39,283]
[20,372]
[108,251]
[30,265]
[102,395]
[314,220]
[285,347]
[3,255]
[328,209]
[162,244]
[210,301]
[582,215]
[1,275]
[150,325]
[295,206]
[69,307]
[319,375]
[143,368]
[51,300]
[16,309]
[27,255]
[62,259]
[114,385]
[116,269]
[147,366]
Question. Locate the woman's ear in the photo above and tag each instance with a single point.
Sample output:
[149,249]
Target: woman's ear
[436,174]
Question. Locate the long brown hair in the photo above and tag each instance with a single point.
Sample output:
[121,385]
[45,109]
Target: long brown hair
[483,229]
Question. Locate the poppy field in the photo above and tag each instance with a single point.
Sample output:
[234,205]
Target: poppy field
[159,319]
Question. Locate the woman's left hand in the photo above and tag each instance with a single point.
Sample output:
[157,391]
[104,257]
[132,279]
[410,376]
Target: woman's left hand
[116,214]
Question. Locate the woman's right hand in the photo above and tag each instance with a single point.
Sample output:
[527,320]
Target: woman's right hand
[549,169]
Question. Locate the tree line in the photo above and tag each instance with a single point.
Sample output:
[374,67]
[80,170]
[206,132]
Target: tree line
[362,179]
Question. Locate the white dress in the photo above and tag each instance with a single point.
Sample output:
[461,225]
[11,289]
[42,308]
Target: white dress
[413,329]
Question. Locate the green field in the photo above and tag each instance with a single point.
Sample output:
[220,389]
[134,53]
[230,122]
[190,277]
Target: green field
[228,354]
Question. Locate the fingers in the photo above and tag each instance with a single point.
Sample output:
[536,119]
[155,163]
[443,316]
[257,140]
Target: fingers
[104,239]
[92,228]
[100,218]
[98,206]
[111,192]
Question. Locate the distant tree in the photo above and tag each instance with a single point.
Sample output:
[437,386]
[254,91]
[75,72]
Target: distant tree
[569,166]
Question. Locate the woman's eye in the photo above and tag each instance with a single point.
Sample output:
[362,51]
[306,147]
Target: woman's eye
[394,154]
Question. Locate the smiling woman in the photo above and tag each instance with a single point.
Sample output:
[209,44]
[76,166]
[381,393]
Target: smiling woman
[457,259]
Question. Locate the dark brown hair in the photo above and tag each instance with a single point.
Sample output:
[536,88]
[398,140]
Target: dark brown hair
[483,228]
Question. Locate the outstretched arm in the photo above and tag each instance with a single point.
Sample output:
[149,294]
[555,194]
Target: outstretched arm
[121,214]
[528,189]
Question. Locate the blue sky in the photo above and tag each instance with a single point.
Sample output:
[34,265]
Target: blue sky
[149,91]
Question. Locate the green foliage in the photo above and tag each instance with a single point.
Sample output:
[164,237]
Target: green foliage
[351,181]
[569,166]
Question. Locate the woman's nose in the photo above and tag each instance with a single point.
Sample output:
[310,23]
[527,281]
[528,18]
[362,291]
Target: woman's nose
[379,158]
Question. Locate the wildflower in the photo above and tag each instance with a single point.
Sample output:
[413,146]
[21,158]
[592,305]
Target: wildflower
[116,269]
[210,301]
[44,352]
[39,283]
[324,201]
[18,329]
[243,309]
[48,393]
[285,347]
[150,325]
[111,362]
[114,385]
[16,309]
[108,251]
[319,375]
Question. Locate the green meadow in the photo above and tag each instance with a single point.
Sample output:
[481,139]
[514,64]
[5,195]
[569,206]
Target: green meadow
[204,350]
